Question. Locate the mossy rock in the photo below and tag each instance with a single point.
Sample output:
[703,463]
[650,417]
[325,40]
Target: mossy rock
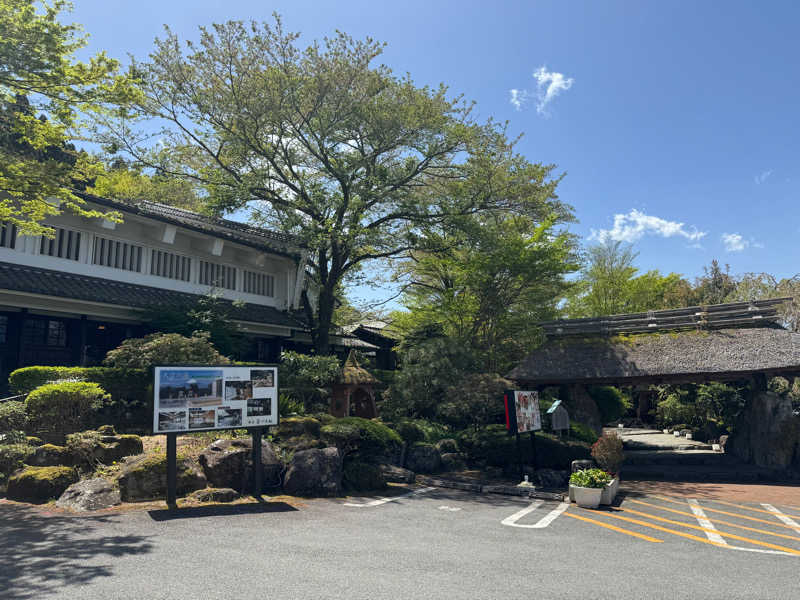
[49,455]
[91,447]
[301,442]
[297,426]
[369,438]
[360,476]
[40,484]
[447,446]
[32,440]
[144,477]
[410,432]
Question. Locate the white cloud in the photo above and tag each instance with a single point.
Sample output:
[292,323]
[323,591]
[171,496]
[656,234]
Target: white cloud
[635,225]
[762,177]
[737,243]
[549,85]
[518,97]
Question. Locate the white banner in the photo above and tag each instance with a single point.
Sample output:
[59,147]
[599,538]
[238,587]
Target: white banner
[526,405]
[202,398]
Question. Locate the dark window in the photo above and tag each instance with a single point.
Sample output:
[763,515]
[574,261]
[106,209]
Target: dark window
[172,266]
[217,275]
[65,244]
[117,255]
[259,283]
[8,235]
[3,329]
[43,332]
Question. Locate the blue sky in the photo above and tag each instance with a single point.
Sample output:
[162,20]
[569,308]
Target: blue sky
[664,113]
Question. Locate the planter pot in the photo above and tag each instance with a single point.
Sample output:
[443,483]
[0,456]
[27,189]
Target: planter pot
[588,497]
[688,436]
[666,431]
[676,433]
[610,492]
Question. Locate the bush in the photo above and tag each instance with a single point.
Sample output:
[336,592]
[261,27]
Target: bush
[289,406]
[422,430]
[12,416]
[410,431]
[165,349]
[590,478]
[12,457]
[360,476]
[369,439]
[582,432]
[611,402]
[607,452]
[476,400]
[494,446]
[307,379]
[57,409]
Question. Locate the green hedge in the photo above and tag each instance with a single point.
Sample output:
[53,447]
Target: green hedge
[12,416]
[496,447]
[369,439]
[57,409]
[131,406]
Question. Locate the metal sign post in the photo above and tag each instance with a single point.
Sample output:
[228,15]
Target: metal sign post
[172,469]
[258,471]
[522,414]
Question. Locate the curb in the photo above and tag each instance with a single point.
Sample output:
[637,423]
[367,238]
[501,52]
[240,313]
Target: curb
[477,488]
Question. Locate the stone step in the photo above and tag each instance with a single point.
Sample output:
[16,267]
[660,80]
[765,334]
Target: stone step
[676,457]
[705,473]
[688,447]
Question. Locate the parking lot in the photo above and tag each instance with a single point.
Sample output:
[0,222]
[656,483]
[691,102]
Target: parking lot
[421,542]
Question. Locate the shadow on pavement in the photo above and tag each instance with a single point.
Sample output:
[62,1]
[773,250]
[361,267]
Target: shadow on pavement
[219,510]
[42,552]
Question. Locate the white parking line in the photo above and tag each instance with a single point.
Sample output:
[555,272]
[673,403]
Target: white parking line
[380,501]
[782,517]
[542,523]
[705,523]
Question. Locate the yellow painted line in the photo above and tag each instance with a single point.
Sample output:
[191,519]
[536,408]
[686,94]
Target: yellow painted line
[730,535]
[720,521]
[613,528]
[750,508]
[730,514]
[613,515]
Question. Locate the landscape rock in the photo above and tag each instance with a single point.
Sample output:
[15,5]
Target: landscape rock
[216,495]
[92,447]
[423,458]
[40,484]
[302,442]
[315,472]
[48,455]
[89,494]
[229,464]
[395,474]
[454,461]
[362,476]
[767,433]
[298,426]
[447,446]
[580,465]
[552,478]
[144,477]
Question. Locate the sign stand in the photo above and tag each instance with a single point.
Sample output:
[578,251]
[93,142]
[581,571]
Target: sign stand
[258,471]
[172,469]
[533,449]
[519,459]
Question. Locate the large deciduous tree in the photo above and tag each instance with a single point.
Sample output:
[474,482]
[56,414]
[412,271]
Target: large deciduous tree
[43,90]
[319,142]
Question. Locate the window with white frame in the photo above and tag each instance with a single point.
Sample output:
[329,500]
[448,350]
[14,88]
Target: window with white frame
[258,283]
[8,235]
[170,265]
[217,275]
[117,254]
[65,244]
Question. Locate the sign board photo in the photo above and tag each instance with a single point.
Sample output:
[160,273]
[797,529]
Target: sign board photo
[202,398]
[522,411]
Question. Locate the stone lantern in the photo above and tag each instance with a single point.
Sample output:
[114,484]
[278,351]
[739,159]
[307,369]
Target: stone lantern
[354,394]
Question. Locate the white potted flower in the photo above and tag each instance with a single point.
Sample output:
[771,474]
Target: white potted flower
[587,486]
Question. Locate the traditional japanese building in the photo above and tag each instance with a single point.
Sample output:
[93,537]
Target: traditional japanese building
[70,299]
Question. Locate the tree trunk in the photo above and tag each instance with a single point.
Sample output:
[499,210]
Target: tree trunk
[321,334]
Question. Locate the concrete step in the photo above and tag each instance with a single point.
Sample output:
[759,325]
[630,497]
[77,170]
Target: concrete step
[678,457]
[705,473]
[688,446]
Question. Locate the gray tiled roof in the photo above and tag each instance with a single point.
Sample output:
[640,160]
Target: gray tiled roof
[34,280]
[256,237]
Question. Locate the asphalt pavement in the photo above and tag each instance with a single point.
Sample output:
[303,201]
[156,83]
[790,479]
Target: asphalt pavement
[429,543]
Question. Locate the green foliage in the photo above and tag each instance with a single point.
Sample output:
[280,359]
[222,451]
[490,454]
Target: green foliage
[369,439]
[289,406]
[360,476]
[611,401]
[582,432]
[494,446]
[430,367]
[12,416]
[607,452]
[590,478]
[476,400]
[165,349]
[779,385]
[306,379]
[43,91]
[12,457]
[421,430]
[57,409]
[695,406]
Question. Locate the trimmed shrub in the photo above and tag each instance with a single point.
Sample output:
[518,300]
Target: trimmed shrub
[421,430]
[12,457]
[369,439]
[493,446]
[12,416]
[165,349]
[410,431]
[611,402]
[607,452]
[56,409]
[40,484]
[582,432]
[360,476]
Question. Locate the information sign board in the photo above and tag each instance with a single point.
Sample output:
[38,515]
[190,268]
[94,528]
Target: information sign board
[204,398]
[522,411]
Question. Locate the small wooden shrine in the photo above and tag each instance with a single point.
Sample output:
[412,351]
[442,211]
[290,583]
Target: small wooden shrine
[354,394]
